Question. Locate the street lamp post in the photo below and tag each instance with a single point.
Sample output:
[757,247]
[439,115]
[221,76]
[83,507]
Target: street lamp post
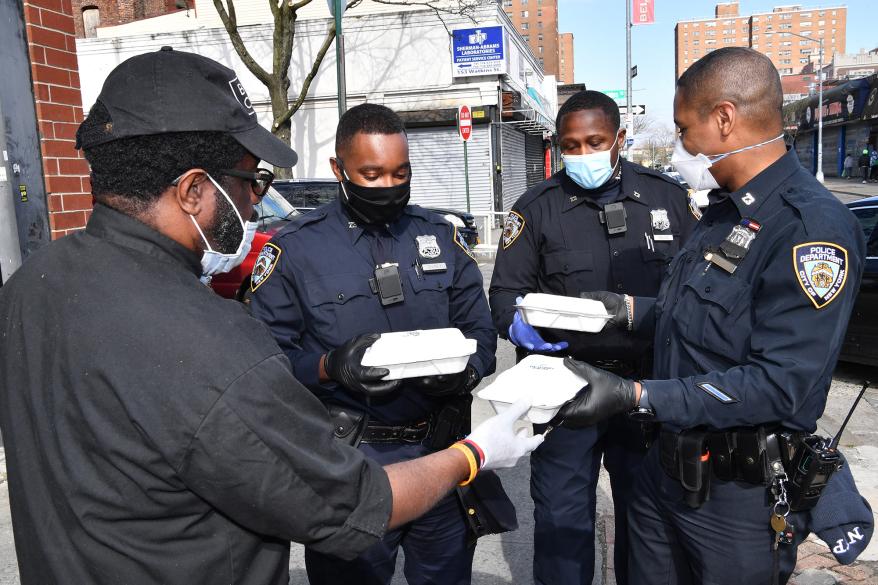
[819,174]
[337,8]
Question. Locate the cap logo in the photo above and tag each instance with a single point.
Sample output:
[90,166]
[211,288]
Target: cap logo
[241,95]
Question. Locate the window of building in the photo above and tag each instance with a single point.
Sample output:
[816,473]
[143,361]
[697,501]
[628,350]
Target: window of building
[540,37]
[524,26]
[540,24]
[786,71]
[710,33]
[804,61]
[541,62]
[755,45]
[768,53]
[526,38]
[804,51]
[507,3]
[806,23]
[695,43]
[729,40]
[786,43]
[783,53]
[710,24]
[696,33]
[524,14]
[821,23]
[685,60]
[524,2]
[539,11]
[786,27]
[786,16]
[540,49]
[710,42]
[805,14]
[91,20]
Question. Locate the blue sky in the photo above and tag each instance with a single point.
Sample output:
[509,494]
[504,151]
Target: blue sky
[598,27]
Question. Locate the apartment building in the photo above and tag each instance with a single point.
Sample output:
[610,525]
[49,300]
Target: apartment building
[537,22]
[565,66]
[772,33]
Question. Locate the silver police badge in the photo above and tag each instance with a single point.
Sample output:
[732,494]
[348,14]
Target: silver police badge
[660,221]
[428,247]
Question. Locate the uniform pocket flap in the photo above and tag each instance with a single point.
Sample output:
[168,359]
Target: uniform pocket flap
[337,289]
[724,290]
[437,281]
[568,262]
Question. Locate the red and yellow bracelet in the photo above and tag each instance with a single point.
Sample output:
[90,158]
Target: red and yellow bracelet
[474,456]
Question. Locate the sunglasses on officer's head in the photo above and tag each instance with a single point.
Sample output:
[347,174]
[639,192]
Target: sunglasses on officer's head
[260,179]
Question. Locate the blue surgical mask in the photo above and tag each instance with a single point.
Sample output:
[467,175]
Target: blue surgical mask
[590,171]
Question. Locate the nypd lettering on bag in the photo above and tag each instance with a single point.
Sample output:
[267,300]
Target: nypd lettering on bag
[821,268]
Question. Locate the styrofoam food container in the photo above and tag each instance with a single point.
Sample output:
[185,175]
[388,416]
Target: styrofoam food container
[560,312]
[541,378]
[425,352]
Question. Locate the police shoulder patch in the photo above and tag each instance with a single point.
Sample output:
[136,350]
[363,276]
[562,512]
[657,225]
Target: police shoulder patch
[821,269]
[264,266]
[512,228]
[458,239]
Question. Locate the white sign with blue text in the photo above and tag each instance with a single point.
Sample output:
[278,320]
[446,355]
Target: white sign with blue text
[478,51]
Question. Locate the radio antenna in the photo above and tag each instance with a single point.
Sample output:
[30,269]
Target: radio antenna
[837,436]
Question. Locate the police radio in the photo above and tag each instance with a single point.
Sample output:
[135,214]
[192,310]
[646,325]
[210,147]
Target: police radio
[813,461]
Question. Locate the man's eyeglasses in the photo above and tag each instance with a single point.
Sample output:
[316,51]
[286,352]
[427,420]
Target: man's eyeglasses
[260,179]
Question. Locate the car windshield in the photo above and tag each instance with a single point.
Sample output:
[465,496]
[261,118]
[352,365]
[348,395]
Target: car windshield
[274,208]
[868,217]
[307,195]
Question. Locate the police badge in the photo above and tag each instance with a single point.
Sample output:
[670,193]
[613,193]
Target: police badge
[264,266]
[428,247]
[660,221]
[821,269]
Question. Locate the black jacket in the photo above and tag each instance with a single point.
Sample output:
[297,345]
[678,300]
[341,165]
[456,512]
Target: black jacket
[153,430]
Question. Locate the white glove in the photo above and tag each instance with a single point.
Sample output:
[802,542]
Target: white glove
[497,439]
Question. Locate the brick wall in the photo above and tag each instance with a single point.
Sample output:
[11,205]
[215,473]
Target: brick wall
[55,74]
[115,12]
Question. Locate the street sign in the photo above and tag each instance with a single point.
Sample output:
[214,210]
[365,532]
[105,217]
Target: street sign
[629,142]
[464,122]
[634,71]
[616,94]
[478,51]
[638,110]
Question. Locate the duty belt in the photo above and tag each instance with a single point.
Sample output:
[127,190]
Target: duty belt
[692,456]
[409,433]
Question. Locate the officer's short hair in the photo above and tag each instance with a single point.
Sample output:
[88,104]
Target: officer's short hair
[590,100]
[368,119]
[138,169]
[740,75]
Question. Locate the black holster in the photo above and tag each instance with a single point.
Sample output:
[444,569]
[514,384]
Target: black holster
[348,424]
[685,456]
[451,423]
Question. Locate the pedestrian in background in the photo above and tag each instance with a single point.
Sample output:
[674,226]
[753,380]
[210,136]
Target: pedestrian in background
[848,167]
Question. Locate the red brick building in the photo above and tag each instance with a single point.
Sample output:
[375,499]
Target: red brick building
[55,76]
[90,14]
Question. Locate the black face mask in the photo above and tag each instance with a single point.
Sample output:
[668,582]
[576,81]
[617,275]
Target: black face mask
[373,205]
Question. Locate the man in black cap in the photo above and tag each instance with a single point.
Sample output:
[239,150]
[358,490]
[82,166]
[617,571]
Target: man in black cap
[154,431]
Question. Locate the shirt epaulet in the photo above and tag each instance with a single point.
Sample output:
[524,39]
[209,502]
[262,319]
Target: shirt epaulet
[641,170]
[425,214]
[818,209]
[301,222]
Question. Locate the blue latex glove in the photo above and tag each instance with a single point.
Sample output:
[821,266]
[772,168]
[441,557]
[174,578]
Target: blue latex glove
[523,335]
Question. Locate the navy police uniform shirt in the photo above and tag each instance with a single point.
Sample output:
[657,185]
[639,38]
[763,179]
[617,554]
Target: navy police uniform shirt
[311,286]
[758,345]
[555,242]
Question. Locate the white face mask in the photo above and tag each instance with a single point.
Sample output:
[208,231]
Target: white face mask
[695,169]
[213,262]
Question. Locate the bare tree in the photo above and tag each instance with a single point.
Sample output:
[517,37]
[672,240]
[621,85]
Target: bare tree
[285,14]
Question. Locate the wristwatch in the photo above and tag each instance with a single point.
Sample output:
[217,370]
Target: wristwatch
[643,412]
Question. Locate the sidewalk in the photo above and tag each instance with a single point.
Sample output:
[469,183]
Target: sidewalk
[853,186]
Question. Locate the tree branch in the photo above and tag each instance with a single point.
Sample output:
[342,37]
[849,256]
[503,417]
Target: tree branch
[275,8]
[230,22]
[306,84]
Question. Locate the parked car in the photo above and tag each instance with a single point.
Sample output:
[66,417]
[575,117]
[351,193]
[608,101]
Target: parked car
[861,340]
[306,194]
[274,213]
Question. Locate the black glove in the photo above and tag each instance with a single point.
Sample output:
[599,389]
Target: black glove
[605,396]
[343,365]
[615,305]
[448,384]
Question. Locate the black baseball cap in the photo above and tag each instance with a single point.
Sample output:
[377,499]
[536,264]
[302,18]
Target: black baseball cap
[174,91]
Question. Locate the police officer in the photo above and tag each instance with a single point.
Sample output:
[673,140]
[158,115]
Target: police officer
[153,430]
[365,264]
[601,223]
[748,325]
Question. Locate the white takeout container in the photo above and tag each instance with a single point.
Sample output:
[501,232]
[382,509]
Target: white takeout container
[543,379]
[560,312]
[425,352]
